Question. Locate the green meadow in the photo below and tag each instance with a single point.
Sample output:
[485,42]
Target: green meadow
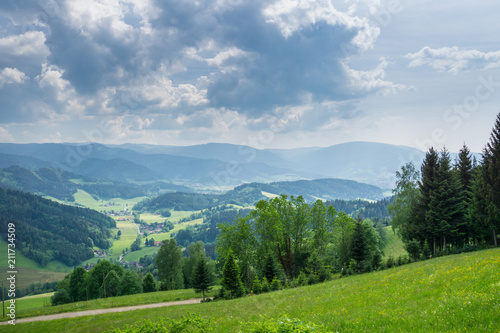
[29,271]
[85,199]
[394,245]
[459,293]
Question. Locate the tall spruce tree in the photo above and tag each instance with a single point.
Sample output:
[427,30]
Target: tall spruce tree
[491,172]
[424,223]
[464,171]
[446,206]
[478,209]
[231,279]
[203,277]
[359,243]
[270,269]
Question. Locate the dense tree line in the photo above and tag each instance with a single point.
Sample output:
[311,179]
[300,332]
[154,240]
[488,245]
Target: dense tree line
[33,289]
[181,201]
[103,280]
[47,230]
[450,206]
[294,237]
[365,209]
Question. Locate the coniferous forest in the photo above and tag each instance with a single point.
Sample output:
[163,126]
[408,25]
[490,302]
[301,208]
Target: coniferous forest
[449,205]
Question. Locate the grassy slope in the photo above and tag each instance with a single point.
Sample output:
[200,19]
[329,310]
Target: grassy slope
[394,246]
[85,199]
[450,294]
[30,271]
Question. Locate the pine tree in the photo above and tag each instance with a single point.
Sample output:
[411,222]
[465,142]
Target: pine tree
[270,270]
[446,206]
[359,244]
[422,223]
[426,251]
[464,171]
[231,276]
[256,286]
[203,277]
[490,212]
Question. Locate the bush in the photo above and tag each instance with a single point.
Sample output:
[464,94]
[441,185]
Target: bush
[283,324]
[265,285]
[313,279]
[60,297]
[256,286]
[189,323]
[302,279]
[275,284]
[390,262]
[324,274]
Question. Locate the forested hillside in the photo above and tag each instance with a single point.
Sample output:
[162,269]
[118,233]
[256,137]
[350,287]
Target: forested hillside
[46,230]
[326,189]
[62,184]
[198,201]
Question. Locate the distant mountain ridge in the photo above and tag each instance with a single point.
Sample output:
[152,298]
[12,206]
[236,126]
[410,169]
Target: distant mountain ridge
[217,165]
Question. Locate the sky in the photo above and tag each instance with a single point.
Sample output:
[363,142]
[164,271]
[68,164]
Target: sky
[269,74]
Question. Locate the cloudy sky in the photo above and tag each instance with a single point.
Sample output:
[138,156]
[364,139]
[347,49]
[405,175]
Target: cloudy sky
[270,74]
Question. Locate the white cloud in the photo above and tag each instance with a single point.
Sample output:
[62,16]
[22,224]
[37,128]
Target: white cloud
[31,43]
[12,75]
[5,136]
[51,79]
[453,59]
[372,81]
[293,16]
[91,16]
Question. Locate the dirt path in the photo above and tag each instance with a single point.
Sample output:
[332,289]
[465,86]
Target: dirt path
[102,311]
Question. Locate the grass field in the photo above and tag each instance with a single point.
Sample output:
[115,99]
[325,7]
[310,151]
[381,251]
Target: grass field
[36,301]
[85,199]
[459,293]
[394,246]
[136,255]
[30,271]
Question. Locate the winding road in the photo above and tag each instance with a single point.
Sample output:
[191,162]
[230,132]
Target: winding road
[102,311]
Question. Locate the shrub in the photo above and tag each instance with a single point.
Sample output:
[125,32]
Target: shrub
[302,279]
[189,323]
[256,286]
[60,297]
[284,324]
[390,262]
[265,285]
[275,284]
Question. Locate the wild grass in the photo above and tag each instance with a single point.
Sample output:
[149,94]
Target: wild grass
[394,245]
[459,293]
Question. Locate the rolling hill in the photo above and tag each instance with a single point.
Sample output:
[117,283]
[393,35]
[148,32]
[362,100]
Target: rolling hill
[63,185]
[46,230]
